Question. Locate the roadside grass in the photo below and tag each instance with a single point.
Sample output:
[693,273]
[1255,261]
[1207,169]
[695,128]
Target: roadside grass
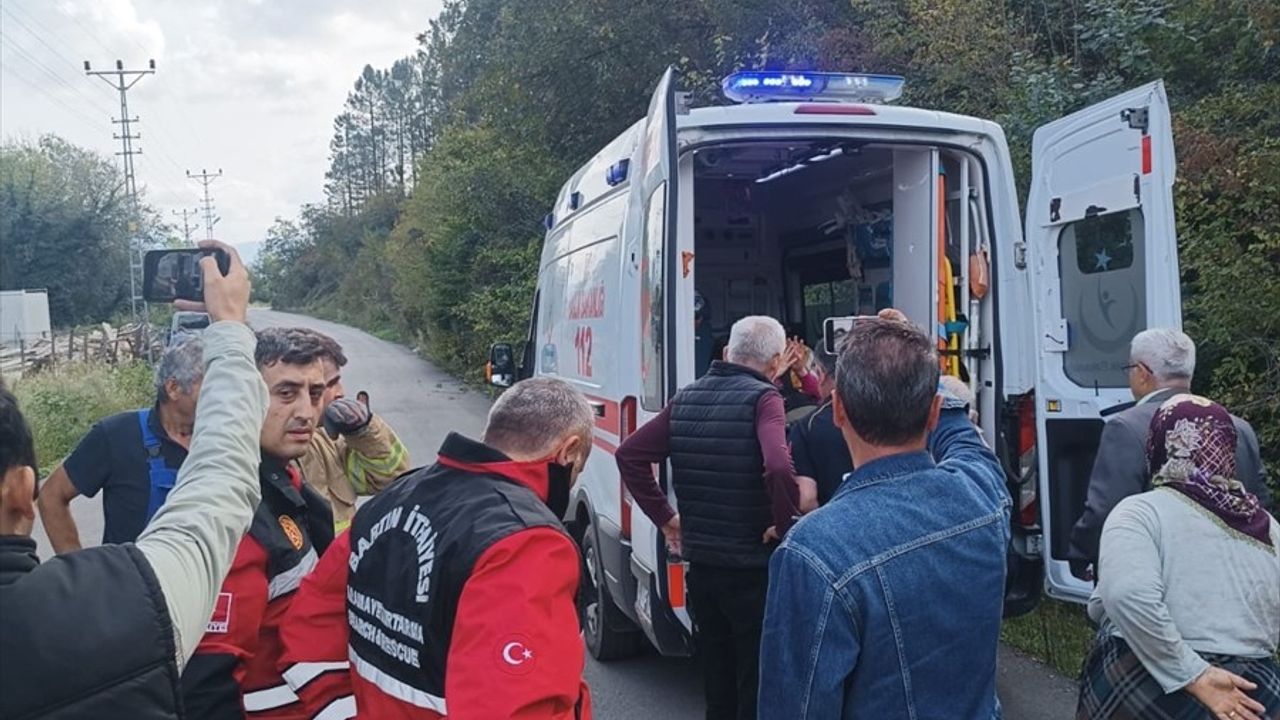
[62,403]
[1055,633]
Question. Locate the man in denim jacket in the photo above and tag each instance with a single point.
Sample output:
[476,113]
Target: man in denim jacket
[887,601]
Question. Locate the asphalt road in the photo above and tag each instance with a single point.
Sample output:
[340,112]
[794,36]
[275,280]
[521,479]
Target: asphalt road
[424,404]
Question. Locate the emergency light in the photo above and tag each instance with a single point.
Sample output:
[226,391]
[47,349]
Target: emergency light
[617,172]
[757,86]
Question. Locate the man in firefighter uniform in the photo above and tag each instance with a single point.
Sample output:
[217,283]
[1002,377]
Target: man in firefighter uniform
[235,670]
[453,592]
[356,452]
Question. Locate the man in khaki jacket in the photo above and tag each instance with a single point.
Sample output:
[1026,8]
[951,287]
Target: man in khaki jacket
[356,453]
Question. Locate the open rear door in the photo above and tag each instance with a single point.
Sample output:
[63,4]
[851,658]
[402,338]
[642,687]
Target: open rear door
[1100,233]
[651,228]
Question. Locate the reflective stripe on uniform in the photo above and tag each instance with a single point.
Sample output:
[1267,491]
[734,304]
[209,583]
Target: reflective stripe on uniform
[299,674]
[341,709]
[269,698]
[289,580]
[360,466]
[395,688]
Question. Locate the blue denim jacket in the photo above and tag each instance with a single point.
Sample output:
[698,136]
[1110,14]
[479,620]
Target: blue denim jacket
[886,602]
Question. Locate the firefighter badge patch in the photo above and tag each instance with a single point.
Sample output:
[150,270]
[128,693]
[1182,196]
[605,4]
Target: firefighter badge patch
[291,531]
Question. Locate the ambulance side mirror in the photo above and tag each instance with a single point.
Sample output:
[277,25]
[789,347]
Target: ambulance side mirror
[501,368]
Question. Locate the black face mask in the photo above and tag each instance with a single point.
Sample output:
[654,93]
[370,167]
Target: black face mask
[559,479]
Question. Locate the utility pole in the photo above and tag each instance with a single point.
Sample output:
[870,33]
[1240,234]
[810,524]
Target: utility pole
[187,227]
[121,80]
[206,178]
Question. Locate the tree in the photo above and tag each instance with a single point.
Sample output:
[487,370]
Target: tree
[65,225]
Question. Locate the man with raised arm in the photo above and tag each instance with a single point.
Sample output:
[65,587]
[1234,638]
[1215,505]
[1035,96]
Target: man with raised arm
[105,632]
[886,602]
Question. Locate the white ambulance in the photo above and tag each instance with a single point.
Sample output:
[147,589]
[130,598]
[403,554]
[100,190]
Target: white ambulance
[812,198]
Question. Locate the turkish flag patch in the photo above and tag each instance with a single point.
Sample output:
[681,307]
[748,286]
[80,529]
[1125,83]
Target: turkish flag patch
[515,655]
[220,622]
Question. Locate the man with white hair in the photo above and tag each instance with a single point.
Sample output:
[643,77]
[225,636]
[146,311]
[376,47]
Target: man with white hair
[1161,363]
[725,435]
[453,593]
[132,457]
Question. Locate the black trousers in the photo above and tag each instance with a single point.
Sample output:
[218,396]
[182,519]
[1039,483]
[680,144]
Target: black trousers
[727,605]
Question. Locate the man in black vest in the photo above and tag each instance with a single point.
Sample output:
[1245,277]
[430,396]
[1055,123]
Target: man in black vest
[104,632]
[731,470]
[453,592]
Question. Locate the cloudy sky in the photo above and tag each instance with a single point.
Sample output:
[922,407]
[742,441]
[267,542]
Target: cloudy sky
[250,87]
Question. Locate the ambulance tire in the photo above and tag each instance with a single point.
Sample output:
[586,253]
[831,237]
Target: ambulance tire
[609,633]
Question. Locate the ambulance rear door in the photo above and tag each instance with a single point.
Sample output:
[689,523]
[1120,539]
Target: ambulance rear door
[651,232]
[1101,240]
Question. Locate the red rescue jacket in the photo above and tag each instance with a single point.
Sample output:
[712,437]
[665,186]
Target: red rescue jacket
[516,649]
[235,669]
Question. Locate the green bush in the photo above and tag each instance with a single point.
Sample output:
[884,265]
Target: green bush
[63,403]
[1228,202]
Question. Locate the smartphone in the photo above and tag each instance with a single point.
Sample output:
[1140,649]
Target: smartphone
[169,275]
[834,329]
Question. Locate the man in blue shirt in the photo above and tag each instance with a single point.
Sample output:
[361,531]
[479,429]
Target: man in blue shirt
[886,602]
[132,457]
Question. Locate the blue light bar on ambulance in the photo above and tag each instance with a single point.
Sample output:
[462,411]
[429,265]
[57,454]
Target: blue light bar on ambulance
[617,172]
[756,86]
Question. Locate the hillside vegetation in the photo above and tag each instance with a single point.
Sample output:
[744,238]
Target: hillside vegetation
[443,165]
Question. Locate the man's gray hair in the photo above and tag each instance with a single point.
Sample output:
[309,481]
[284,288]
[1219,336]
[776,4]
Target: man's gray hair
[755,340]
[1169,354]
[182,362]
[534,415]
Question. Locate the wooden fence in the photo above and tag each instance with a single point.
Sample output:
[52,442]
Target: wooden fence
[102,343]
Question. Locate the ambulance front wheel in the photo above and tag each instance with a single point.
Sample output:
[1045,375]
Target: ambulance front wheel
[610,634]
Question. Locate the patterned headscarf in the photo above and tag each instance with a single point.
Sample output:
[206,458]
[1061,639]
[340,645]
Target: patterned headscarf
[1192,449]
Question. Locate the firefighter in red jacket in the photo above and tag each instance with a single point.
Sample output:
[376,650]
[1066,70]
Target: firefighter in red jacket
[235,670]
[453,592]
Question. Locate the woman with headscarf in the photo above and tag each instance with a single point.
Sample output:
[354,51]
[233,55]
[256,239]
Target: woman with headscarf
[1188,595]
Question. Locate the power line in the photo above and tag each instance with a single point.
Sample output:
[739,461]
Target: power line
[11,7]
[35,62]
[93,36]
[74,112]
[159,137]
[39,38]
[206,178]
[90,101]
[70,63]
